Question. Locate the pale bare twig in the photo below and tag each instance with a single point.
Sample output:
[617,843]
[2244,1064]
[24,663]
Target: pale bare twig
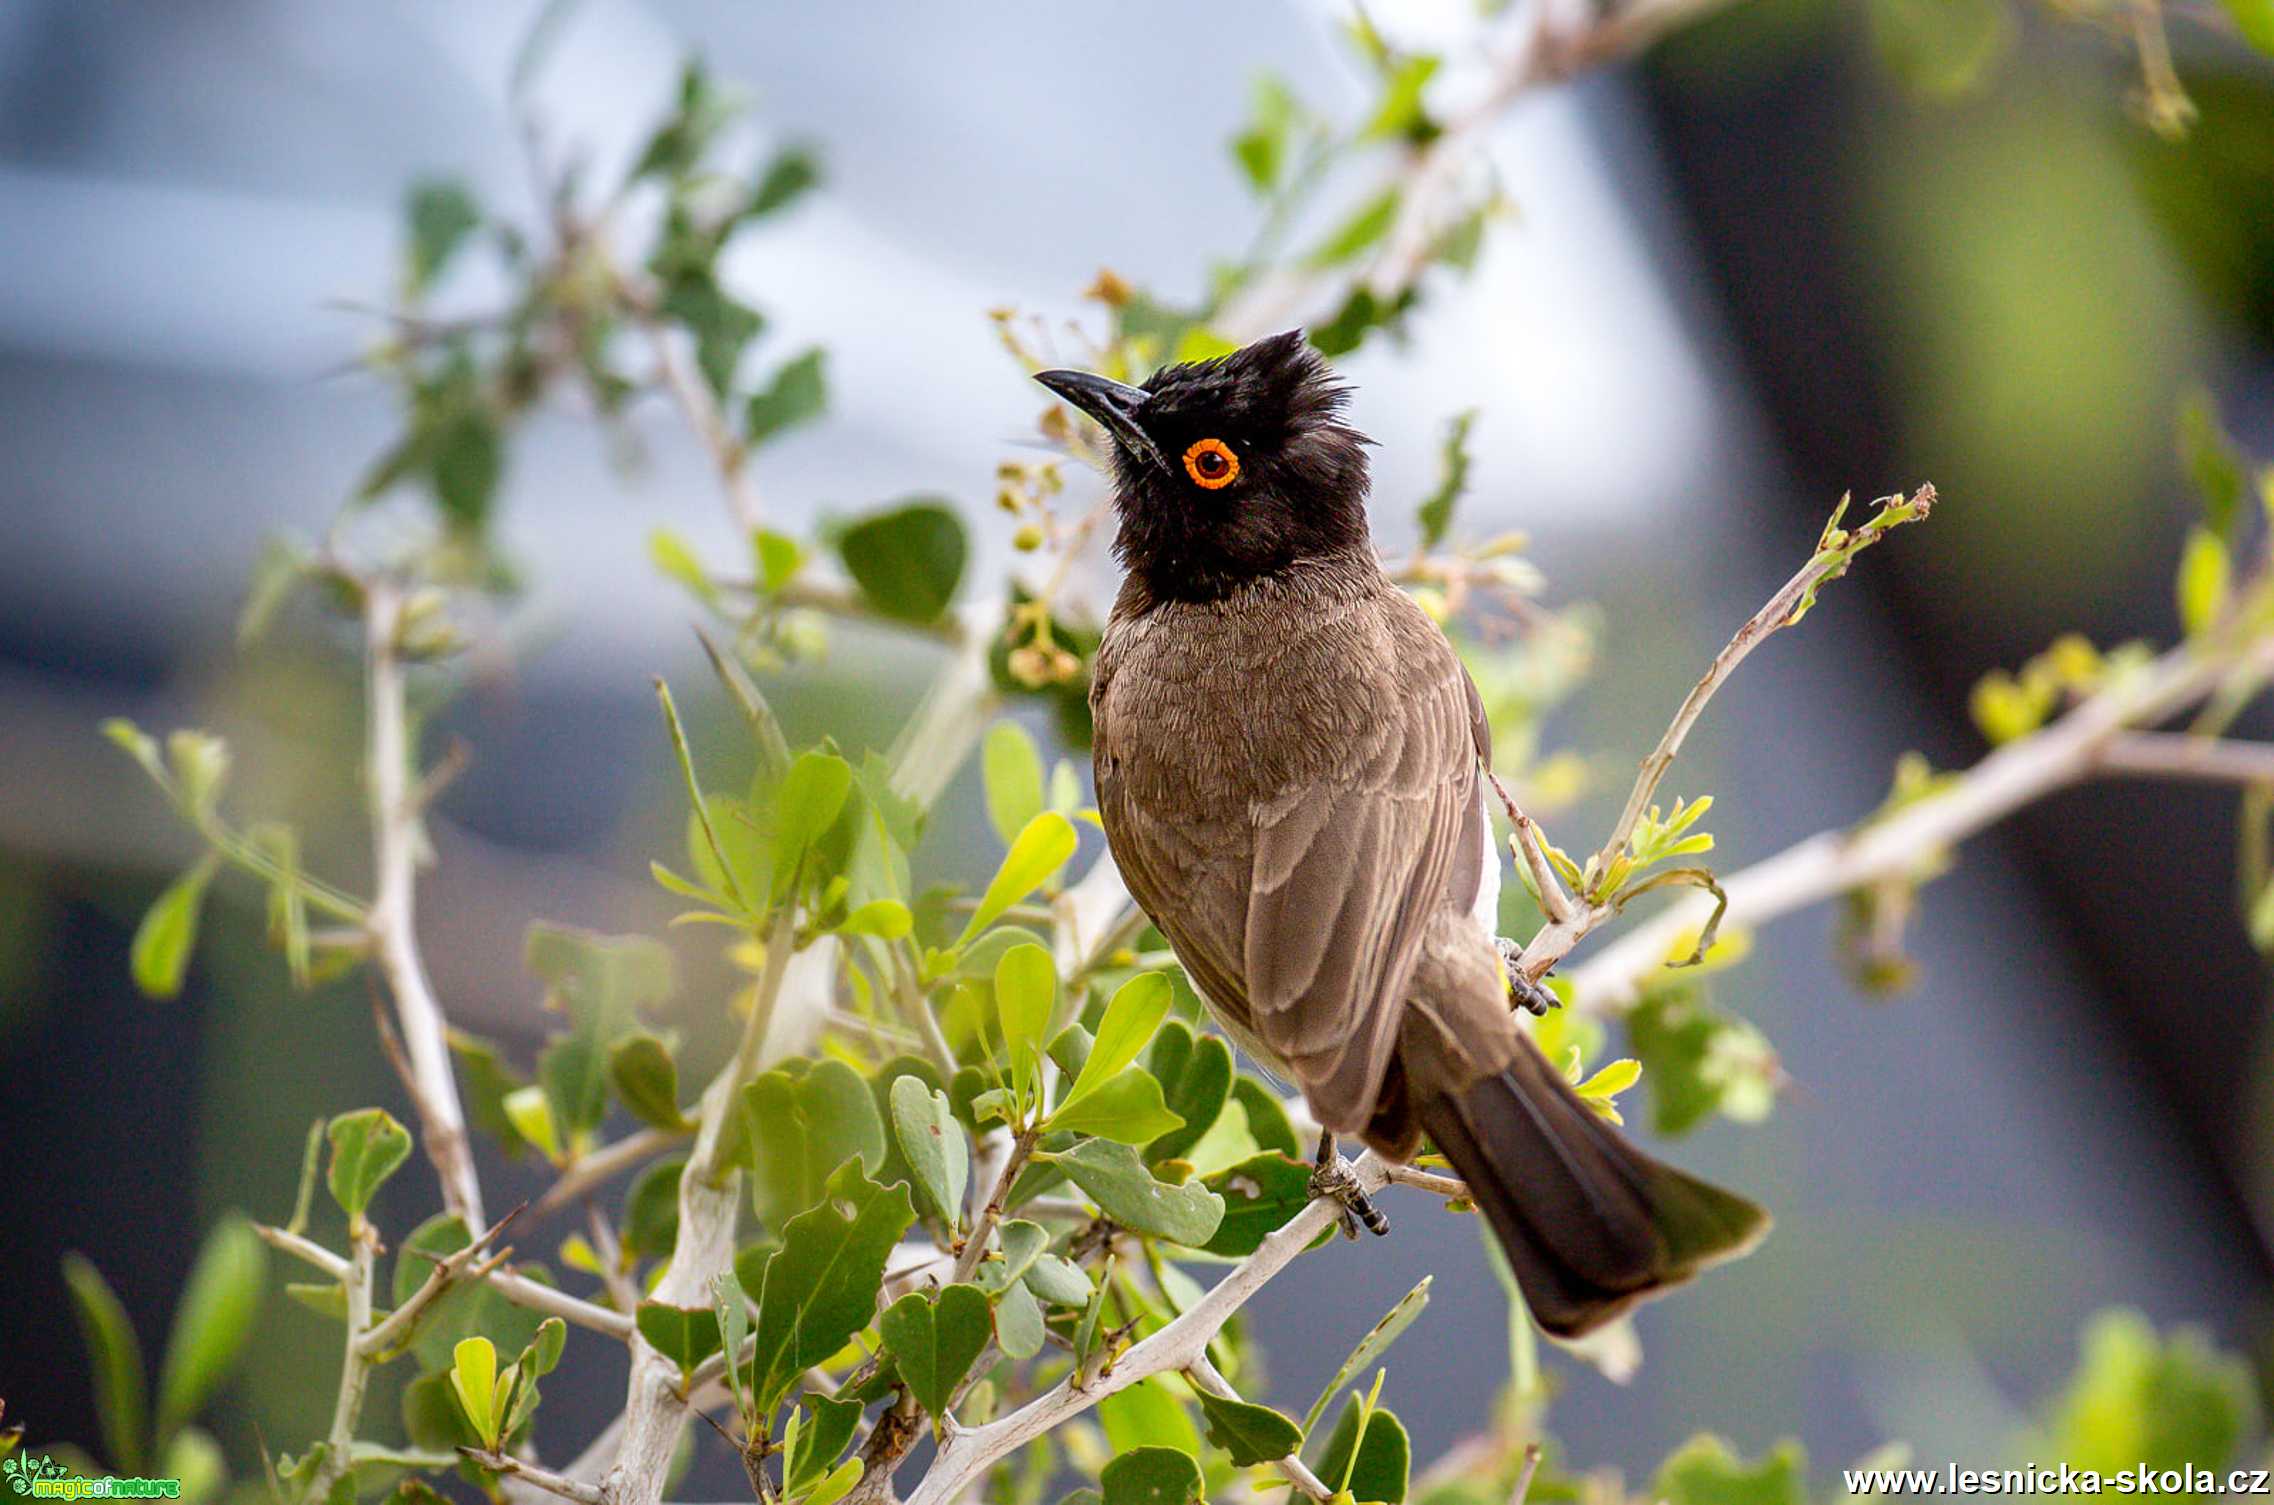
[589,1171]
[543,1478]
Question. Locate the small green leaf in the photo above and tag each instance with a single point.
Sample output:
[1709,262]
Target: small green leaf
[1114,1178]
[1059,1281]
[211,1323]
[797,394]
[799,1127]
[673,556]
[473,1379]
[1360,232]
[886,919]
[468,460]
[1704,1471]
[121,1402]
[1252,1434]
[1012,767]
[1267,1117]
[1196,1077]
[1436,514]
[1018,1322]
[487,1082]
[1132,1016]
[1026,990]
[647,1080]
[1151,1476]
[838,1484]
[1370,1348]
[1384,1459]
[442,215]
[167,935]
[1126,1107]
[367,1148]
[821,1286]
[807,804]
[789,174]
[651,1209]
[828,1429]
[1040,850]
[2138,1399]
[1259,1194]
[908,559]
[935,1340]
[934,1144]
[2203,577]
[685,1335]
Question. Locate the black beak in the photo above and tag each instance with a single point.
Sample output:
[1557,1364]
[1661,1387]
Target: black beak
[1114,404]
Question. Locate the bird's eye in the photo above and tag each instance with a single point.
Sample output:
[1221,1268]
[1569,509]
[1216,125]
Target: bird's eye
[1211,464]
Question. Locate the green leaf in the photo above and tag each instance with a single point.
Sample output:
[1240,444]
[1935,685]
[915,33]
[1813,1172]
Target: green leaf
[212,1321]
[908,559]
[722,326]
[2255,20]
[829,1427]
[442,215]
[935,1340]
[1384,1459]
[1012,766]
[821,1286]
[1059,1281]
[1132,1017]
[801,1122]
[1197,1078]
[1026,990]
[779,557]
[797,394]
[432,1417]
[2207,455]
[367,1147]
[1252,1434]
[1400,113]
[1267,1117]
[647,1080]
[1114,1178]
[1041,849]
[838,1484]
[651,1209]
[474,1380]
[675,558]
[886,919]
[487,1082]
[683,1334]
[811,796]
[1697,1061]
[468,459]
[2203,577]
[1018,1322]
[934,1144]
[2140,1400]
[464,1311]
[1436,514]
[788,175]
[121,1403]
[599,981]
[1704,1471]
[1151,1476]
[1370,1348]
[1360,232]
[1261,149]
[167,935]
[1259,1195]
[1127,1108]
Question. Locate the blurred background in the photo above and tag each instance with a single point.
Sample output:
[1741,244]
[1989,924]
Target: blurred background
[1786,255]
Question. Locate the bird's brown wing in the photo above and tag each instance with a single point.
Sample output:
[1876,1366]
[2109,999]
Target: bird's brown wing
[1348,871]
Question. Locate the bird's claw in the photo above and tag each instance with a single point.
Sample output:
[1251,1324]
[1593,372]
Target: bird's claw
[1522,991]
[1331,1176]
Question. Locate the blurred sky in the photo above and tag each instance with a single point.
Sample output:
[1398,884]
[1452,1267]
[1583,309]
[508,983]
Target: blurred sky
[188,193]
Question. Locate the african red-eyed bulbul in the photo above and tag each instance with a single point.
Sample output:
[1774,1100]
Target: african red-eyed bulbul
[1287,759]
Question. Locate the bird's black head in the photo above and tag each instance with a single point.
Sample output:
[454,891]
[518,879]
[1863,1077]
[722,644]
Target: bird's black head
[1231,469]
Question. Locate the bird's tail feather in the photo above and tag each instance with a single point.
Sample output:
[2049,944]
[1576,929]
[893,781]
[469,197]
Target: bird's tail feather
[1591,1224]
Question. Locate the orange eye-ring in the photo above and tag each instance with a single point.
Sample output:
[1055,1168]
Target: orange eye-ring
[1211,464]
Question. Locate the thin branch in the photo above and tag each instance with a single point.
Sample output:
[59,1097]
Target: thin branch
[462,1264]
[1524,840]
[355,1363]
[545,1479]
[1833,862]
[396,842]
[1428,1181]
[524,1292]
[1180,1344]
[2179,755]
[1523,1488]
[307,1250]
[729,456]
[1202,1373]
[592,1169]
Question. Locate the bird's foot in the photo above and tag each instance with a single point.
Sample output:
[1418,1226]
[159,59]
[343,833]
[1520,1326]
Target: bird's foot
[1331,1176]
[1522,991]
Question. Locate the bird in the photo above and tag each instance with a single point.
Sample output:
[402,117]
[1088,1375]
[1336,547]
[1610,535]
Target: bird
[1289,760]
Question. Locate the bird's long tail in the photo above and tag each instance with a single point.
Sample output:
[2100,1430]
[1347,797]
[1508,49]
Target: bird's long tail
[1590,1223]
